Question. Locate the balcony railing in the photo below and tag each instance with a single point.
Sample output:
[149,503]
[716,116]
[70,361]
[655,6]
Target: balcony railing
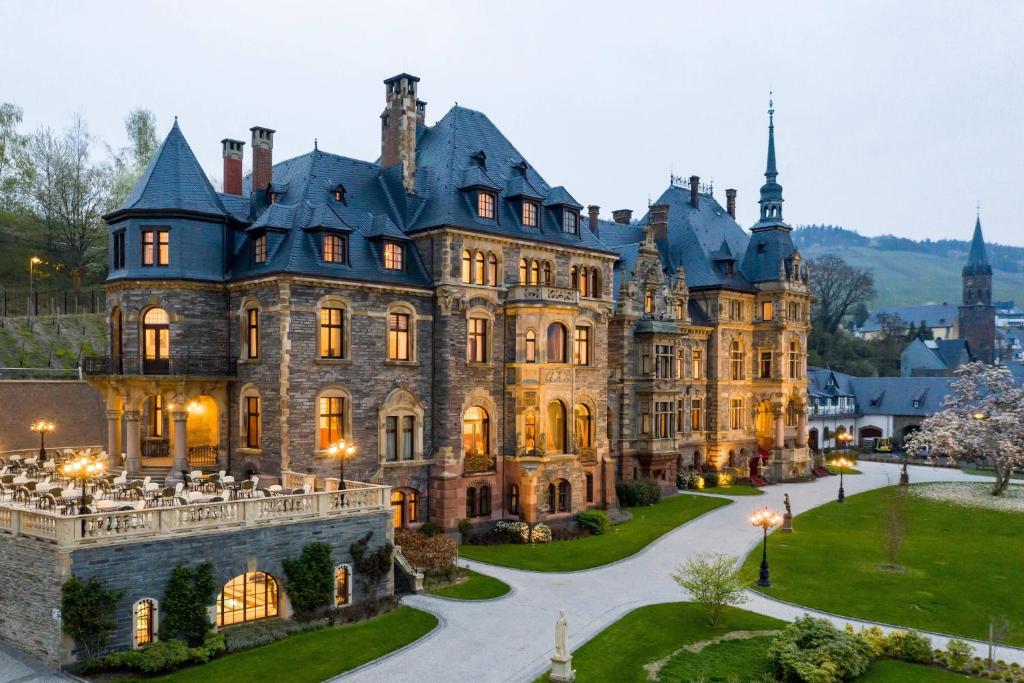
[186,364]
[132,526]
[833,410]
[202,456]
[543,293]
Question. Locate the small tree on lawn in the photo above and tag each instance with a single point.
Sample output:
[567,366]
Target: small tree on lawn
[983,415]
[712,580]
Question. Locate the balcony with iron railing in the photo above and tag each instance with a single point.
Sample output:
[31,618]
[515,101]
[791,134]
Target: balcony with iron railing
[832,411]
[197,365]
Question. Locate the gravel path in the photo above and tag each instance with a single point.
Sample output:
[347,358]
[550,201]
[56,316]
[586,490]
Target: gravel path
[511,638]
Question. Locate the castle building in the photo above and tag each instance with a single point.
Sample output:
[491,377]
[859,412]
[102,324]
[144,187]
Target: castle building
[489,351]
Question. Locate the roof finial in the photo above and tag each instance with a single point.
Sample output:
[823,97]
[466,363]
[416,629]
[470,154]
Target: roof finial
[978,215]
[316,144]
[771,107]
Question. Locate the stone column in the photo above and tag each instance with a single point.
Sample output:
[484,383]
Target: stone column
[179,438]
[801,428]
[131,463]
[780,428]
[114,439]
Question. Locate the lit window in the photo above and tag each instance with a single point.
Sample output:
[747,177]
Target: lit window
[767,310]
[530,214]
[156,416]
[530,432]
[547,273]
[249,597]
[680,310]
[556,427]
[697,364]
[342,586]
[736,413]
[663,415]
[332,333]
[524,269]
[581,346]
[681,362]
[155,247]
[584,427]
[392,256]
[334,249]
[556,343]
[531,347]
[478,270]
[252,421]
[476,432]
[492,270]
[467,267]
[534,272]
[764,365]
[145,622]
[252,333]
[584,278]
[570,222]
[794,360]
[398,509]
[476,341]
[398,336]
[649,301]
[696,414]
[485,204]
[332,420]
[259,249]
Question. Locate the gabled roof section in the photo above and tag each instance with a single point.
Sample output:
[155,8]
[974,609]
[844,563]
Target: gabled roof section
[933,316]
[559,196]
[174,181]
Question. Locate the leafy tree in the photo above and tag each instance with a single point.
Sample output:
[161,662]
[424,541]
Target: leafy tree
[87,613]
[310,578]
[13,159]
[837,287]
[983,415]
[129,162]
[183,608]
[712,580]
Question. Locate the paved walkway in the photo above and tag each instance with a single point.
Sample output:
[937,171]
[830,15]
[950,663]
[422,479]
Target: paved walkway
[17,667]
[511,638]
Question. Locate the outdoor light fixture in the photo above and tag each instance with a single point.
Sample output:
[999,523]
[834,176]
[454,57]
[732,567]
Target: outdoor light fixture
[43,427]
[766,519]
[842,464]
[342,450]
[82,467]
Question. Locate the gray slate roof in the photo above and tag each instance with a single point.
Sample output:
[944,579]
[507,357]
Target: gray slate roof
[911,396]
[933,315]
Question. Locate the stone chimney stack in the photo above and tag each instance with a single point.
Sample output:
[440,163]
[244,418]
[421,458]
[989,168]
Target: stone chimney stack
[694,189]
[398,127]
[232,151]
[592,212]
[623,216]
[262,157]
[730,202]
[659,221]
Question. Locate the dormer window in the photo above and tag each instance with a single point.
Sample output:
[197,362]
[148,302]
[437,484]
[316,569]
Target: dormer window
[570,221]
[259,249]
[339,193]
[335,249]
[393,256]
[531,214]
[272,197]
[762,248]
[485,202]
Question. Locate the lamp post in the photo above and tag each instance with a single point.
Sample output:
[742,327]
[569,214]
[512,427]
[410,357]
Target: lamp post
[343,451]
[766,519]
[43,427]
[82,467]
[31,276]
[842,464]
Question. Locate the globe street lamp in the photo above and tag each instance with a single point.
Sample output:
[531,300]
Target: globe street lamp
[766,519]
[343,451]
[43,427]
[82,467]
[842,464]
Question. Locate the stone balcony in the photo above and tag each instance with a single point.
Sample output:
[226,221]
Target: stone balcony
[160,523]
[542,294]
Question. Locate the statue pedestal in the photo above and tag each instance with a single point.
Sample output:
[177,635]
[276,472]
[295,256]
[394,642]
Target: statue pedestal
[787,523]
[561,669]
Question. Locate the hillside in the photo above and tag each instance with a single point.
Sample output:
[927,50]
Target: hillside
[50,341]
[914,272]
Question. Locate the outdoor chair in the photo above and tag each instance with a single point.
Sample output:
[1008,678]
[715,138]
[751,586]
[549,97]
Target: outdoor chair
[273,490]
[246,489]
[298,492]
[46,502]
[217,499]
[182,500]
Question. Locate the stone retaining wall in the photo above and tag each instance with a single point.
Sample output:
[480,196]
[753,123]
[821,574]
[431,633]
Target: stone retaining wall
[76,407]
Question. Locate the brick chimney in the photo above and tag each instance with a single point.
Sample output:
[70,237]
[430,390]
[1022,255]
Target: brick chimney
[624,216]
[398,127]
[694,188]
[262,157]
[232,151]
[730,202]
[659,221]
[592,212]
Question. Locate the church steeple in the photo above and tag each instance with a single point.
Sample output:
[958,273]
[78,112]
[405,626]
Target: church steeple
[977,318]
[977,258]
[771,192]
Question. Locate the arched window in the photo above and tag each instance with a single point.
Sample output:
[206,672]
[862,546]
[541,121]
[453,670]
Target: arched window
[530,351]
[484,501]
[251,418]
[492,270]
[574,278]
[400,430]
[467,267]
[476,432]
[513,499]
[547,273]
[556,427]
[523,268]
[144,616]
[414,507]
[736,360]
[471,502]
[530,432]
[552,498]
[590,487]
[249,597]
[564,496]
[332,417]
[584,427]
[478,270]
[557,338]
[794,360]
[156,341]
[342,585]
[535,272]
[252,332]
[331,320]
[596,290]
[397,509]
[401,333]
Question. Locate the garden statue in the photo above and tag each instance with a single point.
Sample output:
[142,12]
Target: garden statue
[789,510]
[561,661]
[787,519]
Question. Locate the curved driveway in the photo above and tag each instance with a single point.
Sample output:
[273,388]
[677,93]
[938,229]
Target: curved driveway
[511,638]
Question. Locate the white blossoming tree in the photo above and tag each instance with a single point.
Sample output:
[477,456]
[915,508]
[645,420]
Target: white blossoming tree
[983,415]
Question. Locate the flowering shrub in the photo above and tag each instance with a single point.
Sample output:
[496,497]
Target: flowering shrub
[514,532]
[711,479]
[541,533]
[427,553]
[725,479]
[690,479]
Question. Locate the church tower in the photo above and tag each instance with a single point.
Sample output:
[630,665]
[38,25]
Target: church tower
[977,315]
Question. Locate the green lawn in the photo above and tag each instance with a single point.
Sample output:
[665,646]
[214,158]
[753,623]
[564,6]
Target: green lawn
[315,655]
[960,564]
[473,587]
[892,671]
[737,490]
[647,634]
[621,541]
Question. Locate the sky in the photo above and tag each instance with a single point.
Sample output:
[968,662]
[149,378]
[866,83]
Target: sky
[891,117]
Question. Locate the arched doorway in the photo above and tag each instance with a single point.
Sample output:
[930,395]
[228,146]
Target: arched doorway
[765,425]
[156,342]
[868,435]
[249,597]
[202,432]
[812,438]
[556,427]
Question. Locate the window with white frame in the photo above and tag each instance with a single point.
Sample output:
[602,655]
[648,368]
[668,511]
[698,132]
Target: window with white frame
[342,585]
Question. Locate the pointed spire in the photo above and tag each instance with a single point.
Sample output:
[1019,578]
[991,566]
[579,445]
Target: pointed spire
[771,172]
[977,257]
[771,192]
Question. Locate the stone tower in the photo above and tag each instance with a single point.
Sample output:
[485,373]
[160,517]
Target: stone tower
[977,315]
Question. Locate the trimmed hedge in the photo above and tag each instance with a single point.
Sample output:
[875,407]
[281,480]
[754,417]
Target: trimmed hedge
[637,493]
[813,650]
[595,521]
